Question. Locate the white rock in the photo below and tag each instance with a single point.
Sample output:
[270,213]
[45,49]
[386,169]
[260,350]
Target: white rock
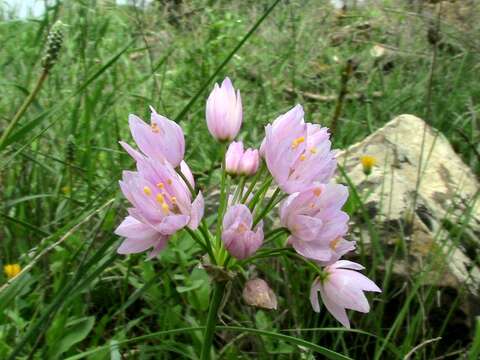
[448,197]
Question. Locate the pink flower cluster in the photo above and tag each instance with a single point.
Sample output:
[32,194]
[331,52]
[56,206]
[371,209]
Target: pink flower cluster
[298,156]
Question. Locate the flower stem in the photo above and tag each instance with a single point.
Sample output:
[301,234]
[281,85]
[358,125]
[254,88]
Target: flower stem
[23,108]
[271,203]
[216,299]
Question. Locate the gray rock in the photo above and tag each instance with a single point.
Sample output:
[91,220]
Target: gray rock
[440,223]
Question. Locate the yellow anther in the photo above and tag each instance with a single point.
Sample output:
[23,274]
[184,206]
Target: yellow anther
[317,191]
[147,191]
[169,181]
[160,185]
[302,157]
[173,199]
[313,150]
[297,142]
[312,205]
[165,208]
[334,243]
[160,198]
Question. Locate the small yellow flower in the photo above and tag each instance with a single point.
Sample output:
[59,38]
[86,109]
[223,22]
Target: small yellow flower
[368,162]
[12,270]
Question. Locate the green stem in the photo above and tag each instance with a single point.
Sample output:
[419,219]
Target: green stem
[23,108]
[239,190]
[187,182]
[223,196]
[252,184]
[271,203]
[215,301]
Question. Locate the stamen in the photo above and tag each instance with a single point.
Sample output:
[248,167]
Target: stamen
[302,157]
[165,208]
[169,181]
[313,150]
[173,199]
[334,243]
[297,142]
[317,191]
[147,191]
[160,199]
[160,185]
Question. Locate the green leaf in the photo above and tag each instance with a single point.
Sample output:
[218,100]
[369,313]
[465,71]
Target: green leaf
[75,332]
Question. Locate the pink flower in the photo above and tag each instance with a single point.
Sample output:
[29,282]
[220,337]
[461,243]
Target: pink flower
[249,163]
[139,237]
[162,205]
[238,237]
[162,140]
[224,111]
[316,222]
[342,289]
[240,162]
[297,153]
[233,157]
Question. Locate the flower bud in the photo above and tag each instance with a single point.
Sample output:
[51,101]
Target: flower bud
[257,293]
[224,111]
[249,162]
[240,240]
[54,44]
[233,157]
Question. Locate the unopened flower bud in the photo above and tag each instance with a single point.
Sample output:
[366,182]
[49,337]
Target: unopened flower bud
[240,162]
[224,111]
[249,162]
[257,293]
[54,44]
[233,157]
[368,162]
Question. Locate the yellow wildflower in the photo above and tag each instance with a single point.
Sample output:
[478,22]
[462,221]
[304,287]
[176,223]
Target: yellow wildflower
[368,162]
[12,270]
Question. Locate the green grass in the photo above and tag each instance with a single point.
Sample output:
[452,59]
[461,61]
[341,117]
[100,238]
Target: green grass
[60,202]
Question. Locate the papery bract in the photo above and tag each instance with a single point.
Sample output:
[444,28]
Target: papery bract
[297,153]
[256,292]
[162,140]
[224,111]
[238,237]
[316,222]
[342,288]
